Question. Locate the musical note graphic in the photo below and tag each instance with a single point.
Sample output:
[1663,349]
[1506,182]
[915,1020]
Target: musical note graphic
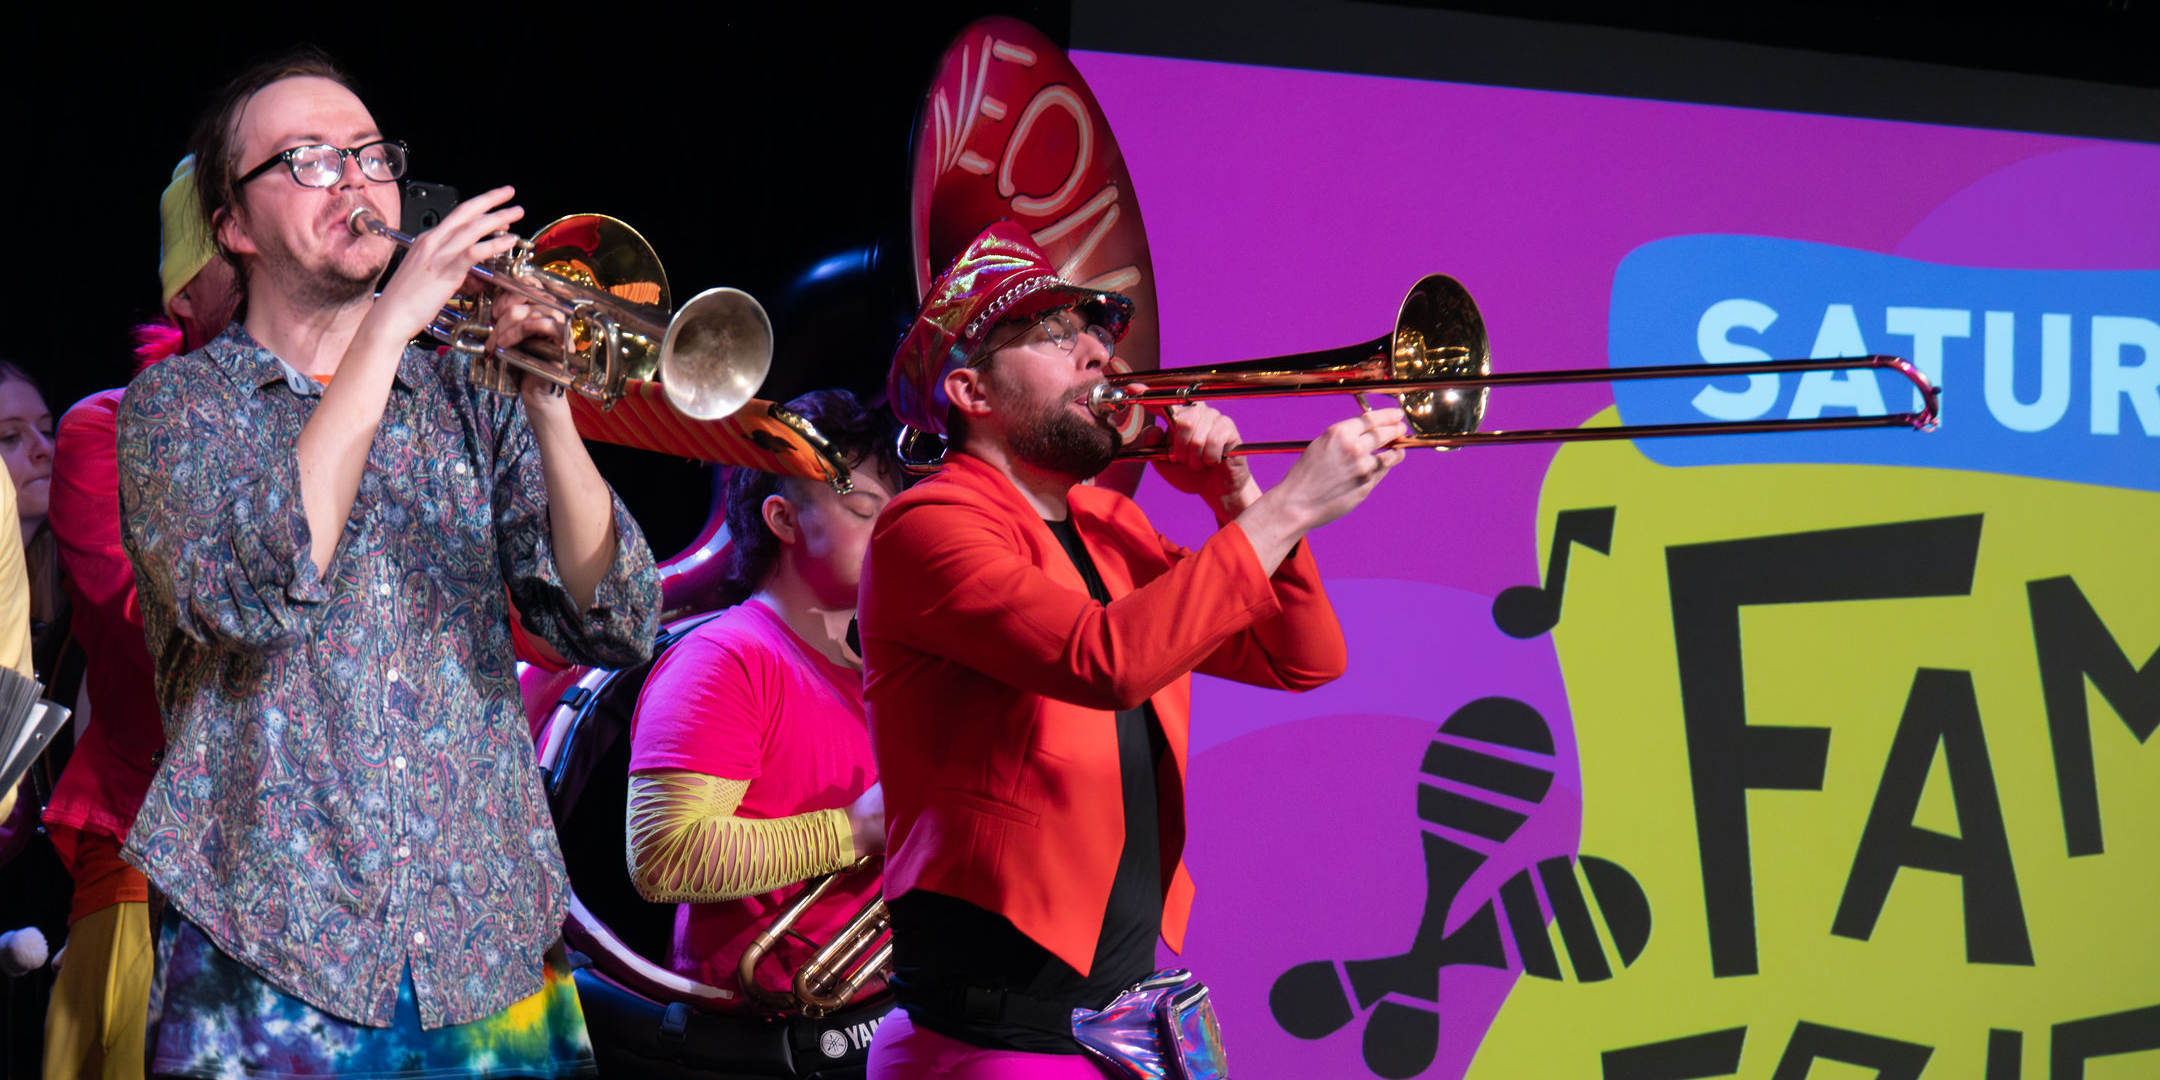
[1525,611]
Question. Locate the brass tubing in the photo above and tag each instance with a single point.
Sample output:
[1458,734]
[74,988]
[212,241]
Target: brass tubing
[557,292]
[710,356]
[1210,384]
[1438,365]
[837,972]
[839,969]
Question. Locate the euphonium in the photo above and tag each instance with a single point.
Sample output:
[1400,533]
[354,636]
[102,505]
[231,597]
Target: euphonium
[840,968]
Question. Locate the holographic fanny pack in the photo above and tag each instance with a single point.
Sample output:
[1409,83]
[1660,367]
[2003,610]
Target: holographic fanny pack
[1164,1028]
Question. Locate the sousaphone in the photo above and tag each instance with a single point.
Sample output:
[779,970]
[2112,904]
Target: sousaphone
[1009,129]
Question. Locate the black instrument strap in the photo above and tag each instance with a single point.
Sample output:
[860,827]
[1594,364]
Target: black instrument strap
[981,1004]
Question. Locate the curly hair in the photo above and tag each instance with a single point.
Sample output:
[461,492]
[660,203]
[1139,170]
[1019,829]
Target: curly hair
[863,437]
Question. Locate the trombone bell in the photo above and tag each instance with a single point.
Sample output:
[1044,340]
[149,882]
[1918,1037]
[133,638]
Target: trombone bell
[1439,341]
[1439,334]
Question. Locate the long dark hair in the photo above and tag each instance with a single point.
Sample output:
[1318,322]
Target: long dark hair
[864,438]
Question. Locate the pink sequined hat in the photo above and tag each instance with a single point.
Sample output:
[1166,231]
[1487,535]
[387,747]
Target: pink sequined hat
[1002,276]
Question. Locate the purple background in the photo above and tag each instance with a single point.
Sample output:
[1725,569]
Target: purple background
[1290,210]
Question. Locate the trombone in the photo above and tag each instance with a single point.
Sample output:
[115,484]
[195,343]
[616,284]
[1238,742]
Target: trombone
[1438,363]
[607,287]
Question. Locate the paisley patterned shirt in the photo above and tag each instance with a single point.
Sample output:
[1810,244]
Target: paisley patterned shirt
[349,784]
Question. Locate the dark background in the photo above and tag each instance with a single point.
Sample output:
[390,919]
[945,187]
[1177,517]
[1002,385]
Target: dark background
[752,144]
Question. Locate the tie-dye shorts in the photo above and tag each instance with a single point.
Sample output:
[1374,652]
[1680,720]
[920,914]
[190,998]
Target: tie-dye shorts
[214,1017]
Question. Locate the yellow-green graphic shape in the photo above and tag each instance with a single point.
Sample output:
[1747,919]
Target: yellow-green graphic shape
[1933,671]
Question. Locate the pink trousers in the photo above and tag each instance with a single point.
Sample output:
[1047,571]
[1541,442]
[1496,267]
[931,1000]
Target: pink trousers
[902,1051]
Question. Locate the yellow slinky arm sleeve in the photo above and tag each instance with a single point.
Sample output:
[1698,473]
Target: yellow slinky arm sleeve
[687,846]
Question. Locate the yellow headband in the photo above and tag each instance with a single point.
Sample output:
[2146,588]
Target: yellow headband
[185,246]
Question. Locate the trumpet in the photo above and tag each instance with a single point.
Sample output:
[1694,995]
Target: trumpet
[1438,363]
[840,968]
[606,286]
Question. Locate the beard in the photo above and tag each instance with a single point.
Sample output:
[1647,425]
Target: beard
[1054,438]
[331,284]
[1065,443]
[328,285]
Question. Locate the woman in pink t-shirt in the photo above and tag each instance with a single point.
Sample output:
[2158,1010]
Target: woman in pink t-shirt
[750,759]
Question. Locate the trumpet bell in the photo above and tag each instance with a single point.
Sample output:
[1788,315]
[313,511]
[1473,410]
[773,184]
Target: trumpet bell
[716,354]
[717,350]
[1439,334]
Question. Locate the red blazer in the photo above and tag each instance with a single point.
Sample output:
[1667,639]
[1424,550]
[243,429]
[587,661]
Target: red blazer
[992,679]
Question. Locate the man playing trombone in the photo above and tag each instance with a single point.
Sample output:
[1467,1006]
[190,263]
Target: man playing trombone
[328,525]
[1029,640]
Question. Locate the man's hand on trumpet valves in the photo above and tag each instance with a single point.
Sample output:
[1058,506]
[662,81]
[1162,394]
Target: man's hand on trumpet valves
[517,321]
[441,258]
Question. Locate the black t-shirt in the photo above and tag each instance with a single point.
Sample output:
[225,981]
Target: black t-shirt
[945,942]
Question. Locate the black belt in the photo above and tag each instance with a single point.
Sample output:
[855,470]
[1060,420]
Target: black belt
[983,1005]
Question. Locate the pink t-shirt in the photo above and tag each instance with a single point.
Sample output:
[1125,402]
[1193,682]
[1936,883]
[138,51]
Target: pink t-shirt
[743,698]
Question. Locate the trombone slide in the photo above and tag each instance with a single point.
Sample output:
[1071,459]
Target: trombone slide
[1370,377]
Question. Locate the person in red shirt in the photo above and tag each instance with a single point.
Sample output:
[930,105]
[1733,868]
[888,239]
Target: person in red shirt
[1028,641]
[750,762]
[95,1025]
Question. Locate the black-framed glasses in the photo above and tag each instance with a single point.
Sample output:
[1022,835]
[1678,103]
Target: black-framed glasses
[1062,329]
[321,165]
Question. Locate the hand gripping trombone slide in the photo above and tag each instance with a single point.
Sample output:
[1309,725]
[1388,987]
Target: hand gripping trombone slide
[607,287]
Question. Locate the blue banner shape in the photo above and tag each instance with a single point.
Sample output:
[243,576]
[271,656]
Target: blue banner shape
[2045,373]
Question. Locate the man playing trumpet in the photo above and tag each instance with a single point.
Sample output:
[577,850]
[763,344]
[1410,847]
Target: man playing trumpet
[328,525]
